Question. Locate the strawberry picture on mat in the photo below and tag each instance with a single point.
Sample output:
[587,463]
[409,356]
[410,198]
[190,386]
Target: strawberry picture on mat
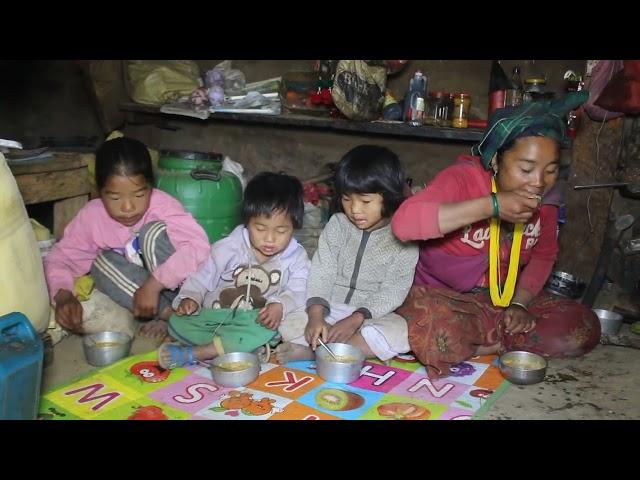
[149,371]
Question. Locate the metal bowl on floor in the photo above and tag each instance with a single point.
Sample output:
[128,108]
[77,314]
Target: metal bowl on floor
[344,370]
[610,322]
[523,368]
[235,369]
[104,348]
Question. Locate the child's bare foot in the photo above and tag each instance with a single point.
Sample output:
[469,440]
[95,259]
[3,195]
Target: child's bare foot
[290,352]
[154,329]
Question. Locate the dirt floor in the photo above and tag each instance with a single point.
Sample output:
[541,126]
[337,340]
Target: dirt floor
[605,384]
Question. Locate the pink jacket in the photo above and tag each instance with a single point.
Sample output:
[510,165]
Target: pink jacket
[93,230]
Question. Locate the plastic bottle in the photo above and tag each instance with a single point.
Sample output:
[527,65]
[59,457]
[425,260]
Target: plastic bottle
[573,117]
[498,85]
[514,95]
[417,89]
[417,112]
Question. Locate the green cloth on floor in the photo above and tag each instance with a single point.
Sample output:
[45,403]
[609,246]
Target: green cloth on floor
[237,331]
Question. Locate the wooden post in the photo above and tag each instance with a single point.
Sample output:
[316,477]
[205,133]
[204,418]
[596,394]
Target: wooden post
[105,82]
[594,160]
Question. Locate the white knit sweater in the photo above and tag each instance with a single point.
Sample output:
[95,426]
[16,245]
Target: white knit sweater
[370,270]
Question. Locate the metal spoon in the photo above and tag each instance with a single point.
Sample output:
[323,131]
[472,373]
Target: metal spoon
[327,349]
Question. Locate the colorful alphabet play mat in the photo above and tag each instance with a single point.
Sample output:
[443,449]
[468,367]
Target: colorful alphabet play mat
[136,388]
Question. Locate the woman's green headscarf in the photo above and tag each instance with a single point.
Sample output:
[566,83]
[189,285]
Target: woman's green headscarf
[542,119]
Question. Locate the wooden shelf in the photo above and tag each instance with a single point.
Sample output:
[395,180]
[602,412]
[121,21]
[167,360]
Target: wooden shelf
[384,128]
[62,179]
[400,129]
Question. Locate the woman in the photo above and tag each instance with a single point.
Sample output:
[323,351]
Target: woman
[469,299]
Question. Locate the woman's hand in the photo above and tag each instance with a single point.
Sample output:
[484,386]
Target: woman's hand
[145,300]
[342,331]
[68,311]
[187,306]
[517,206]
[518,320]
[270,316]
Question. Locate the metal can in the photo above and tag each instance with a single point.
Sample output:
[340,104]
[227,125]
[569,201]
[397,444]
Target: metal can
[534,89]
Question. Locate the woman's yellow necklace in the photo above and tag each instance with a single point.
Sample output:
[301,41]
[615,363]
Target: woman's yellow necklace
[502,297]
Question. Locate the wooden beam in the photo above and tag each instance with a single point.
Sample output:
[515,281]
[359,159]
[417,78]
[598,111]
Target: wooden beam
[59,161]
[46,187]
[106,84]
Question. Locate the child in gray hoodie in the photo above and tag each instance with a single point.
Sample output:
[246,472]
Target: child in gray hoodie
[361,272]
[251,280]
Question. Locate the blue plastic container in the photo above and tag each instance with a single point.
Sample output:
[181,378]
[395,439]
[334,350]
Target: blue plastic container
[21,355]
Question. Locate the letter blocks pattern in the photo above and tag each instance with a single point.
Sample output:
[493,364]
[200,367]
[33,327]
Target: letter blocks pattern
[136,388]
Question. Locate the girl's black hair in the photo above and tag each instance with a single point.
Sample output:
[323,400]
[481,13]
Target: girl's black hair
[268,193]
[371,169]
[123,156]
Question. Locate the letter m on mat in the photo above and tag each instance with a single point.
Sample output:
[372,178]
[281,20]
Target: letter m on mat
[91,395]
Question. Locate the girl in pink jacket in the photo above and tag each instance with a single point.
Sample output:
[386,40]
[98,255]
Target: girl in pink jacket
[138,242]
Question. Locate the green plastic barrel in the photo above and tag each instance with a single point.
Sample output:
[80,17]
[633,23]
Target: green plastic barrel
[196,179]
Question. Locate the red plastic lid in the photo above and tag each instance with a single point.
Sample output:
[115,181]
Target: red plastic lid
[477,123]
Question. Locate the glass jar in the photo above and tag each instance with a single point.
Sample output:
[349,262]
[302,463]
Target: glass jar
[460,114]
[447,110]
[444,113]
[434,106]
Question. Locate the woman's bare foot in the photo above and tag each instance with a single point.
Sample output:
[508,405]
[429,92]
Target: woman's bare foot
[154,328]
[291,352]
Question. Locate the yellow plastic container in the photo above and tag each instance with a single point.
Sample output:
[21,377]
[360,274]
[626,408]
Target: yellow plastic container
[22,284]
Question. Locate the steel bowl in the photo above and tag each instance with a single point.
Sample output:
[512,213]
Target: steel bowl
[104,348]
[339,371]
[610,322]
[235,378]
[523,368]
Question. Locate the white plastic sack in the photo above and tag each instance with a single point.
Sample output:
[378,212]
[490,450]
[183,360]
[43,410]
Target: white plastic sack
[229,165]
